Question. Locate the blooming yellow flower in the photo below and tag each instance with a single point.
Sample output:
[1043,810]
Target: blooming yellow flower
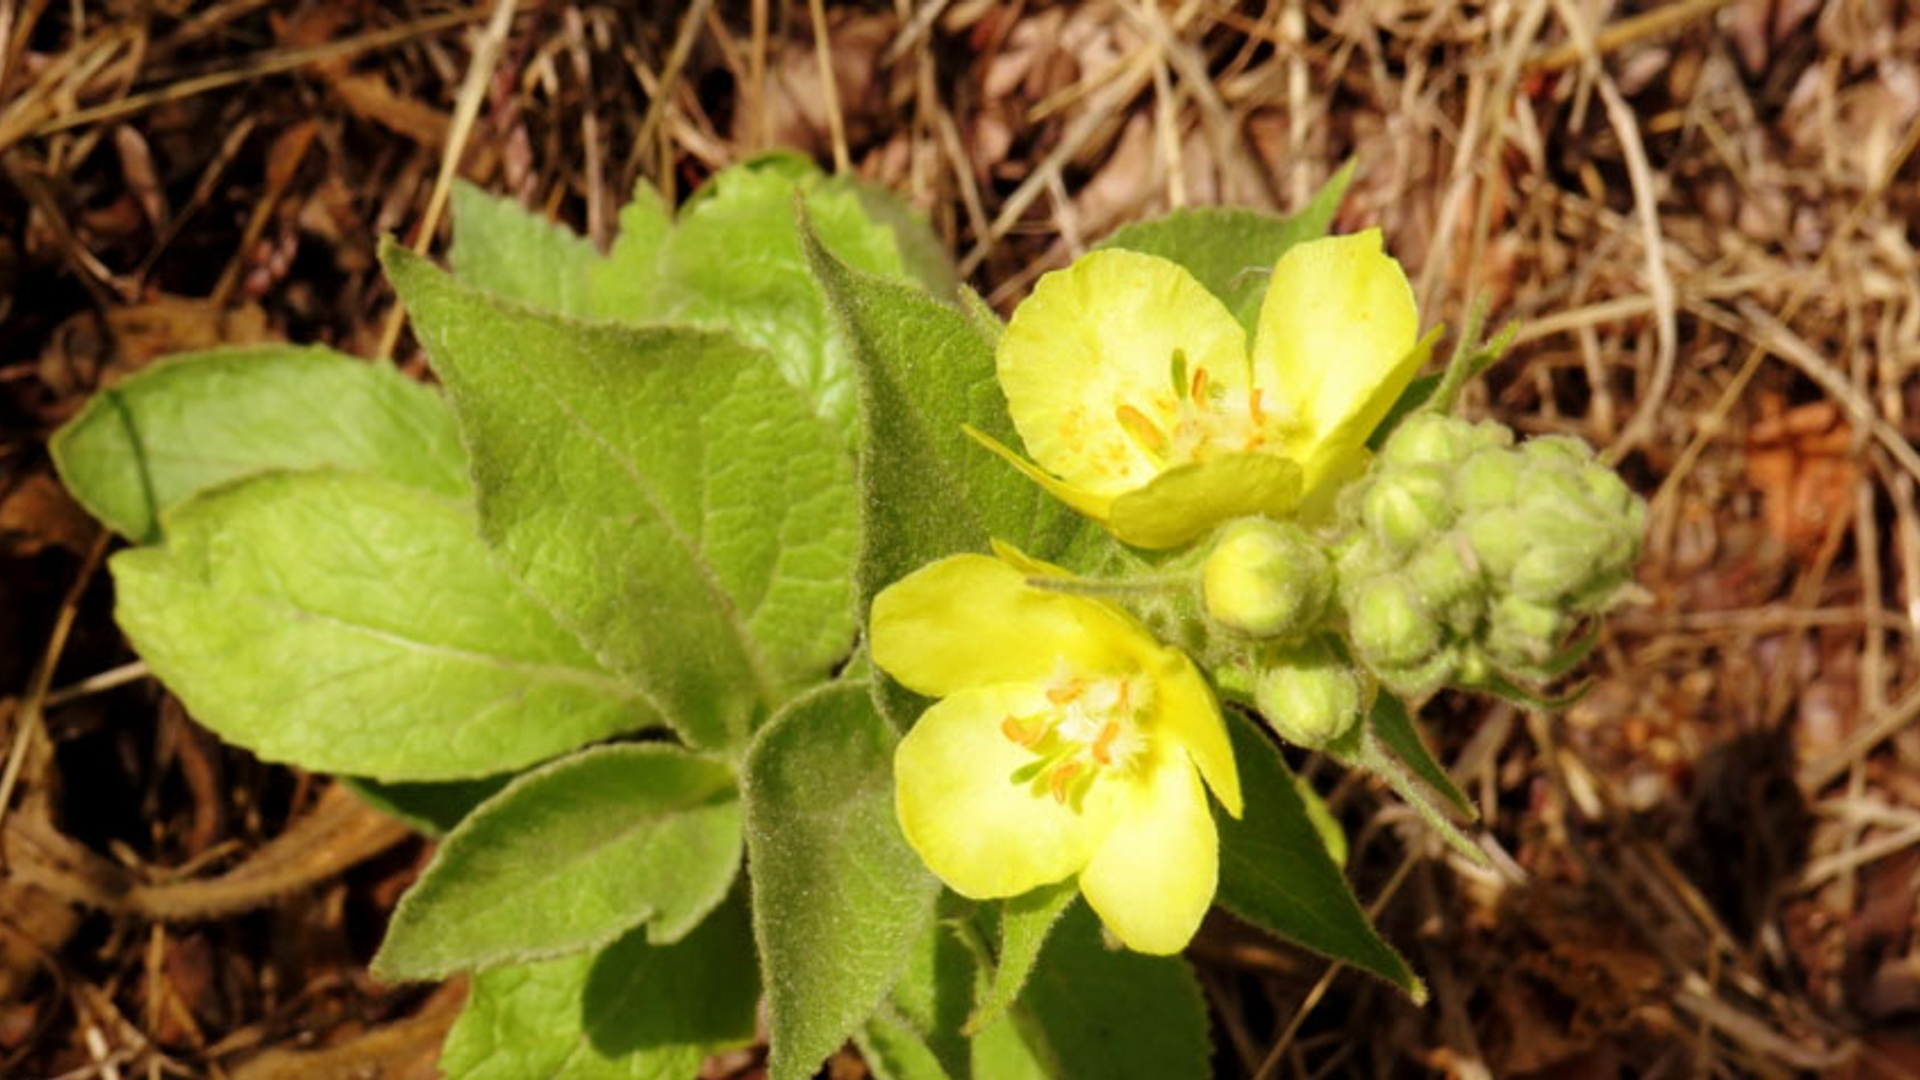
[1066,741]
[1135,394]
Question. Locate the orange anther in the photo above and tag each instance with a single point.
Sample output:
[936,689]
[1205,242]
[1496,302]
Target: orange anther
[1150,438]
[1253,407]
[1199,384]
[1060,777]
[1026,734]
[1060,695]
[1104,742]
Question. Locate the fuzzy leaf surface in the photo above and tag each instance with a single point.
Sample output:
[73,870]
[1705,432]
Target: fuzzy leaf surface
[1275,871]
[1025,922]
[344,622]
[663,490]
[195,421]
[1391,722]
[1094,1012]
[630,1011]
[569,857]
[839,899]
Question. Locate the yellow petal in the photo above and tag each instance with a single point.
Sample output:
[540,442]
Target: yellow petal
[1335,343]
[1082,501]
[1101,335]
[970,620]
[976,828]
[1186,710]
[1190,499]
[1154,874]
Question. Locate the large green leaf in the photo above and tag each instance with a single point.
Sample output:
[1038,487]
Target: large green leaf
[662,490]
[501,247]
[570,857]
[839,900]
[925,372]
[1232,251]
[916,1032]
[1099,1013]
[193,421]
[733,262]
[1275,871]
[348,623]
[631,1011]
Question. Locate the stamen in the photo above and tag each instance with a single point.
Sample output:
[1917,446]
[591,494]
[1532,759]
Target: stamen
[1253,408]
[1061,776]
[1024,732]
[1199,385]
[1062,693]
[1178,370]
[1136,424]
[1104,744]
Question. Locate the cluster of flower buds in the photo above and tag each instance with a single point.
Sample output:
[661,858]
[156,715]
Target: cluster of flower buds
[1468,556]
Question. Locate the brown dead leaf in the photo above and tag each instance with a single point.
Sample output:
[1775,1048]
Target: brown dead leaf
[402,1050]
[1798,460]
[37,513]
[90,350]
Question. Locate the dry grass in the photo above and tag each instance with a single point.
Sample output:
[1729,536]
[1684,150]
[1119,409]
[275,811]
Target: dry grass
[1705,212]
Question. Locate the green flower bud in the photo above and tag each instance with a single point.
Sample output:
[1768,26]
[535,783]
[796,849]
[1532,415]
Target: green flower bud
[1499,539]
[1266,579]
[1405,506]
[1548,573]
[1446,578]
[1308,695]
[1610,493]
[1418,680]
[1427,439]
[1487,479]
[1522,632]
[1388,625]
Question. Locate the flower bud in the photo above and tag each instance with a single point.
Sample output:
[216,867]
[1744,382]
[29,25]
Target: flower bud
[1445,576]
[1423,678]
[1488,478]
[1388,625]
[1426,439]
[1308,695]
[1499,539]
[1266,579]
[1405,506]
[1523,632]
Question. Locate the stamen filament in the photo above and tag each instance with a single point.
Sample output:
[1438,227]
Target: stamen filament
[1150,438]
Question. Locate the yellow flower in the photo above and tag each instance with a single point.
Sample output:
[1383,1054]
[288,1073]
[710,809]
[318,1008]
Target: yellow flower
[1133,389]
[1066,741]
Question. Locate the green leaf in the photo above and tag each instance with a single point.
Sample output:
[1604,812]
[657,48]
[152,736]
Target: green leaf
[1275,871]
[922,254]
[348,623]
[194,421]
[928,490]
[916,1032]
[1025,922]
[515,254]
[839,900]
[1232,251]
[631,1011]
[430,808]
[662,490]
[735,262]
[569,857]
[1394,727]
[1096,1012]
[626,284]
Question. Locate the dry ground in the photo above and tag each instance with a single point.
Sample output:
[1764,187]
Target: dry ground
[1705,213]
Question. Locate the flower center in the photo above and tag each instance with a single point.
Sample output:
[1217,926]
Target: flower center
[1081,726]
[1209,419]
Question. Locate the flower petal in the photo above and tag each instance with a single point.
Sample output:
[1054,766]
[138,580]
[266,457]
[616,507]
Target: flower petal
[1336,342]
[1100,335]
[1155,872]
[977,829]
[971,620]
[1190,499]
[1083,502]
[1186,710]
